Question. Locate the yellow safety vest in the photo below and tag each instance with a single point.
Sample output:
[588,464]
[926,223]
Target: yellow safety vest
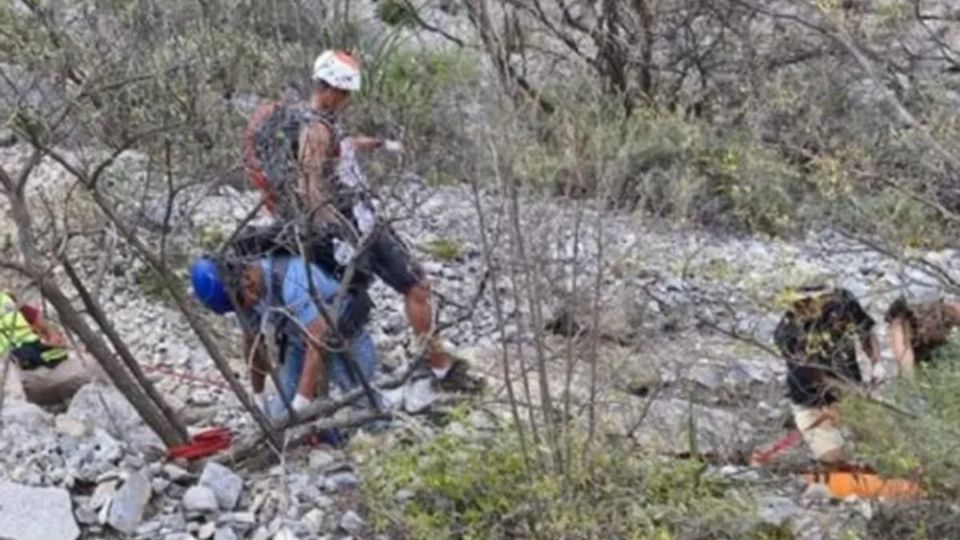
[15,331]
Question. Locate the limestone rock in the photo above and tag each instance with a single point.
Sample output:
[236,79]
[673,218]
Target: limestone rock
[129,503]
[200,499]
[32,513]
[352,523]
[320,460]
[224,533]
[104,407]
[225,484]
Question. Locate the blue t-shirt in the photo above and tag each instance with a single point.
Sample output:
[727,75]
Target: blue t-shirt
[296,300]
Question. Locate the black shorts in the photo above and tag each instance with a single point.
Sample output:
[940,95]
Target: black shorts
[389,259]
[386,256]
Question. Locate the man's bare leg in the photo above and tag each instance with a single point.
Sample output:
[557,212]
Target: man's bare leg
[900,343]
[420,314]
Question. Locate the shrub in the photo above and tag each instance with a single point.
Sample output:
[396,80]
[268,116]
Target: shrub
[419,97]
[461,484]
[397,12]
[671,166]
[922,447]
[444,249]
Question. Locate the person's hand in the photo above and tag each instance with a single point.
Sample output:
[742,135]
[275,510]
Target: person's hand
[393,146]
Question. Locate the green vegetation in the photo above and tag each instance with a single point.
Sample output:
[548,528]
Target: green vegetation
[397,12]
[922,445]
[413,86]
[476,485]
[444,249]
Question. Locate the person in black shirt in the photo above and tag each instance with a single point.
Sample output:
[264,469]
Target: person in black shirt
[818,337]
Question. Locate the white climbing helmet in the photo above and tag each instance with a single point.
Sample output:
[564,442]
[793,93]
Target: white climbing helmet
[338,69]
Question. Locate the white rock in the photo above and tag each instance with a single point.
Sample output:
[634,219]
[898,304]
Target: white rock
[72,427]
[149,529]
[86,516]
[285,534]
[319,460]
[202,397]
[224,483]
[352,523]
[817,492]
[129,503]
[313,521]
[418,395]
[102,494]
[778,511]
[341,480]
[224,533]
[177,474]
[708,375]
[103,406]
[25,414]
[207,530]
[200,499]
[243,519]
[31,513]
[159,485]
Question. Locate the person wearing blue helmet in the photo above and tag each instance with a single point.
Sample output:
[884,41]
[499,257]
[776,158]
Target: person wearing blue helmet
[274,292]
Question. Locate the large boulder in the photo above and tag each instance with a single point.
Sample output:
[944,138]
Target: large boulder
[32,513]
[106,408]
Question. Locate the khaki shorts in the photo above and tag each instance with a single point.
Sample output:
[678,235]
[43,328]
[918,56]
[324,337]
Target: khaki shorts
[823,438]
[45,386]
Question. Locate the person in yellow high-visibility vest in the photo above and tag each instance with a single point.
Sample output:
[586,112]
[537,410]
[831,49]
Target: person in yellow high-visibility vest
[42,371]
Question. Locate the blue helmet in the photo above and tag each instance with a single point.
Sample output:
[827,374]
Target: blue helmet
[208,287]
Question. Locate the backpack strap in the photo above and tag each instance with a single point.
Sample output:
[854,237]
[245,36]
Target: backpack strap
[278,273]
[330,122]
[330,172]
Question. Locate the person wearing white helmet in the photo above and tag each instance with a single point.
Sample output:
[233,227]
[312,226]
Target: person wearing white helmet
[329,183]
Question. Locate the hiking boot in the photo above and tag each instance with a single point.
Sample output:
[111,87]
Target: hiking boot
[458,379]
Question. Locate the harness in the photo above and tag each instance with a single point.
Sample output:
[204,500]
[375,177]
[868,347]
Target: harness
[348,324]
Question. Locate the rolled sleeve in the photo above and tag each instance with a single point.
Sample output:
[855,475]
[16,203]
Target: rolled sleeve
[296,291]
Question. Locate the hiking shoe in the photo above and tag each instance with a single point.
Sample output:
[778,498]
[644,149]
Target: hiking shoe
[458,379]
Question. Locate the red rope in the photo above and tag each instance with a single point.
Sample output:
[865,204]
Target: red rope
[785,443]
[188,377]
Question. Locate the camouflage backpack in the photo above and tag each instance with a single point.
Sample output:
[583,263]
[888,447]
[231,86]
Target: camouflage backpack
[271,149]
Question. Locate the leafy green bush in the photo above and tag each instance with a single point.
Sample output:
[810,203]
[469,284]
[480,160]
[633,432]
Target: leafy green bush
[396,12]
[444,249]
[904,220]
[419,97]
[411,85]
[670,165]
[922,446]
[468,485]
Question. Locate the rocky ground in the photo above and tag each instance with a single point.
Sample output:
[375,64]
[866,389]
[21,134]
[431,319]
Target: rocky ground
[94,470]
